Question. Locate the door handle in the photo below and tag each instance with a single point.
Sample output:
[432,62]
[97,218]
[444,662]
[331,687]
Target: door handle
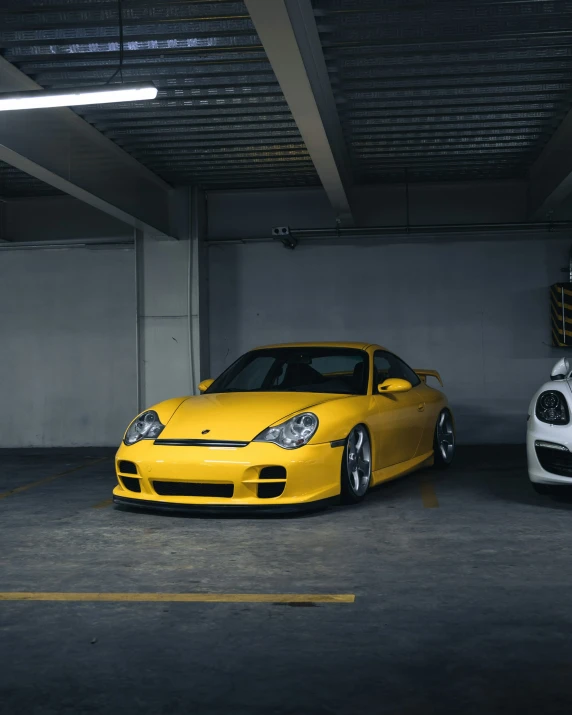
[421,406]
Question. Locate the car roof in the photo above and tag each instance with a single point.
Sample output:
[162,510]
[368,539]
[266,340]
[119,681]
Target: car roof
[331,344]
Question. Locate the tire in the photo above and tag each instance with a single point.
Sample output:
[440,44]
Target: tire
[543,489]
[356,466]
[444,441]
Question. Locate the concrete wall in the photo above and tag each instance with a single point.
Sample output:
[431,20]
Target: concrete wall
[475,310]
[68,338]
[67,347]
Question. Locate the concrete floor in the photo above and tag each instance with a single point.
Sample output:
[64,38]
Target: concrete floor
[465,607]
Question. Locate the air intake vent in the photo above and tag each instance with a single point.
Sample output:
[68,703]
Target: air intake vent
[273,489]
[127,467]
[555,461]
[193,489]
[131,484]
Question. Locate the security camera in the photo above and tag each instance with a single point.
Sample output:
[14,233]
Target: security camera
[283,233]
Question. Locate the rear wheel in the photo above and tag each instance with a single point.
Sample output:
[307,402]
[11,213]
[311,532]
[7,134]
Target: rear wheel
[444,440]
[356,466]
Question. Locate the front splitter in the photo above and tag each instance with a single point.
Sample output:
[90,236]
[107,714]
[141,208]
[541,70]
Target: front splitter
[221,509]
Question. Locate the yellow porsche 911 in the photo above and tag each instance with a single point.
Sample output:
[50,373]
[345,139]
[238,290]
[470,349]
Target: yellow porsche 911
[287,426]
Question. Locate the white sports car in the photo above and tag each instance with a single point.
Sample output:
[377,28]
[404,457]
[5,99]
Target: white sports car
[549,433]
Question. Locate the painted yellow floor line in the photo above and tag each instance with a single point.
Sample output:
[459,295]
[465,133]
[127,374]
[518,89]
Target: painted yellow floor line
[428,495]
[183,597]
[103,504]
[24,488]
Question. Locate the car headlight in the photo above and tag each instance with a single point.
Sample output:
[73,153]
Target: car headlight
[294,433]
[551,407]
[146,426]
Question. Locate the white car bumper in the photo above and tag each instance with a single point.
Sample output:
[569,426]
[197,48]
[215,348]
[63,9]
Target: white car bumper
[549,465]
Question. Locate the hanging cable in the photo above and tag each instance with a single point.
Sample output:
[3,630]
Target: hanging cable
[119,70]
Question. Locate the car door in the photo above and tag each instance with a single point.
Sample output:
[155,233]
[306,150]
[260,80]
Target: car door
[400,417]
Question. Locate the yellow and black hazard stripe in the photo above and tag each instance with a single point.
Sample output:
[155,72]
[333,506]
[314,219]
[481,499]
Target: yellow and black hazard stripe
[561,314]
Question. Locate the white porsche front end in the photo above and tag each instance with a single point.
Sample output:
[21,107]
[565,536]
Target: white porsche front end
[549,433]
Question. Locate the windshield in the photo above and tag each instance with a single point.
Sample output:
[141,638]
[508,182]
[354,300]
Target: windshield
[306,369]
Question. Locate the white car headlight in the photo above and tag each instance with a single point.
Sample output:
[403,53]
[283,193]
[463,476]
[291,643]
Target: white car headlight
[551,408]
[294,433]
[146,426]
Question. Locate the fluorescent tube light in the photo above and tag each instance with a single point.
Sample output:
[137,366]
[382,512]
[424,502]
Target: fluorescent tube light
[44,99]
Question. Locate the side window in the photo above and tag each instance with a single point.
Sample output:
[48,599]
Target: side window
[382,367]
[407,372]
[387,365]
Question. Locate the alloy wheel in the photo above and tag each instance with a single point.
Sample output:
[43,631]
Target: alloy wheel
[359,460]
[446,437]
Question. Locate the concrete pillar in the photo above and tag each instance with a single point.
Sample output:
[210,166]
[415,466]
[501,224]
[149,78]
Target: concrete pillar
[171,317]
[199,288]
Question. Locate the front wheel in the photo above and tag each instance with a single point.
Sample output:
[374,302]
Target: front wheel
[356,466]
[444,441]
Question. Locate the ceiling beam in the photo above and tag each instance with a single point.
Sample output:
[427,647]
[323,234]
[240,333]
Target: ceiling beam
[550,177]
[61,149]
[288,32]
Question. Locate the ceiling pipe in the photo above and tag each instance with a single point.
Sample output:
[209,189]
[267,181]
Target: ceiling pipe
[90,243]
[317,234]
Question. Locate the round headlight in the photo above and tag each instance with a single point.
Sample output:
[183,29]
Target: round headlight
[549,401]
[293,433]
[552,408]
[146,426]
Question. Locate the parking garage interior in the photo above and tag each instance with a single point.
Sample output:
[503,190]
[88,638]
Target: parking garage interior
[395,172]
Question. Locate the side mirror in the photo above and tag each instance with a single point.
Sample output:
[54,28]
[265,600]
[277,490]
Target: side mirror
[394,384]
[561,370]
[205,384]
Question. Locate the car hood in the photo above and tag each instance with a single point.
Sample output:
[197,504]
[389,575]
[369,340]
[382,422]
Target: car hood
[237,415]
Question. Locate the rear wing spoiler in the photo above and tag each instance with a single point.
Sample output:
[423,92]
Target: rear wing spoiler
[424,374]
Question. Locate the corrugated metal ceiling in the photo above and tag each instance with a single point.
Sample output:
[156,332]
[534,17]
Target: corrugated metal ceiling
[447,89]
[15,183]
[220,118]
[440,89]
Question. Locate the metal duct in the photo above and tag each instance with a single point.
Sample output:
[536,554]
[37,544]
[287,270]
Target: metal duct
[427,230]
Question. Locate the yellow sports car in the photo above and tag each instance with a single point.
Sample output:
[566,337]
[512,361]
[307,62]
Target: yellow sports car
[287,426]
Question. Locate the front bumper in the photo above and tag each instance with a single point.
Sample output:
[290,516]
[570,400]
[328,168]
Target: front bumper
[312,475]
[545,465]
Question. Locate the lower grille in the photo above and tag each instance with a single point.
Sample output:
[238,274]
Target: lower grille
[131,483]
[269,491]
[273,489]
[193,489]
[555,461]
[127,467]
